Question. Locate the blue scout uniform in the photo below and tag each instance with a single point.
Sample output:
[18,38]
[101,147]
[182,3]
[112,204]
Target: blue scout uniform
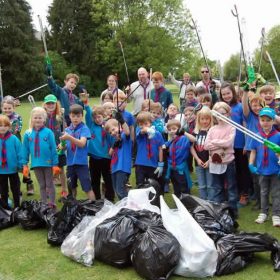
[43,153]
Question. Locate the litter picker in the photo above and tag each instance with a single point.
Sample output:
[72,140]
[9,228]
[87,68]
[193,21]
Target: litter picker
[273,67]
[31,100]
[261,54]
[125,65]
[272,146]
[35,89]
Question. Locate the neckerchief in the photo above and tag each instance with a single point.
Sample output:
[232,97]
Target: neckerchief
[114,158]
[149,148]
[71,97]
[51,121]
[103,136]
[145,89]
[173,149]
[6,136]
[75,134]
[115,90]
[265,149]
[207,85]
[158,93]
[37,141]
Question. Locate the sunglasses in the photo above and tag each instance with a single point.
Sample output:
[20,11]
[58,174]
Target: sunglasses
[206,71]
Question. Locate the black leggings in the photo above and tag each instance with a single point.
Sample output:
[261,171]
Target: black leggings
[15,188]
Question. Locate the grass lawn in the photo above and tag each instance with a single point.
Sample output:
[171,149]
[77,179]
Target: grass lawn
[26,254]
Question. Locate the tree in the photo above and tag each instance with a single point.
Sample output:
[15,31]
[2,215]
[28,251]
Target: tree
[80,29]
[231,68]
[18,53]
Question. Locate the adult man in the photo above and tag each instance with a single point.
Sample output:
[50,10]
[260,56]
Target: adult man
[141,90]
[208,83]
[182,85]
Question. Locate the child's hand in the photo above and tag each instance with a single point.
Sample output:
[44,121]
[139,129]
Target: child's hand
[206,164]
[65,136]
[163,146]
[200,163]
[49,69]
[25,171]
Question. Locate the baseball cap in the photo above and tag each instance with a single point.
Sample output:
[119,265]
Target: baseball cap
[269,112]
[50,98]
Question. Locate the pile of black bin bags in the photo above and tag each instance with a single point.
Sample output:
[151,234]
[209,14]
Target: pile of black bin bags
[139,238]
[235,250]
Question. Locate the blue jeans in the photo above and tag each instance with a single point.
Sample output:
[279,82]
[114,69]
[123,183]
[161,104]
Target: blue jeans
[119,180]
[204,178]
[225,188]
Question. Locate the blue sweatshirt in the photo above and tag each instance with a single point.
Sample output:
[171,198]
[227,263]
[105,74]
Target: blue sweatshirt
[47,153]
[100,141]
[14,159]
[62,95]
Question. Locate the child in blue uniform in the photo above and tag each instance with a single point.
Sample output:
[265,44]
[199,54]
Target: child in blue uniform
[11,163]
[157,117]
[121,154]
[39,145]
[264,162]
[179,150]
[149,158]
[98,151]
[55,123]
[76,137]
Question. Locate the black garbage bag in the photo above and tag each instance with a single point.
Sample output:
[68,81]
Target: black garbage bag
[216,219]
[155,252]
[235,251]
[71,214]
[5,218]
[153,197]
[114,237]
[33,214]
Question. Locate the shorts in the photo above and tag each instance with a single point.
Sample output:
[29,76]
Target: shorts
[80,172]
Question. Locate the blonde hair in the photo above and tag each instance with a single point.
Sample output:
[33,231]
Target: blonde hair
[144,117]
[173,122]
[204,112]
[5,121]
[8,101]
[146,103]
[222,105]
[58,111]
[120,95]
[37,110]
[111,123]
[267,88]
[156,106]
[98,110]
[72,75]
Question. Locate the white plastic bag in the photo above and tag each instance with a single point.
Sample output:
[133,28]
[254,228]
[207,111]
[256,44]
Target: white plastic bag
[138,199]
[198,252]
[79,244]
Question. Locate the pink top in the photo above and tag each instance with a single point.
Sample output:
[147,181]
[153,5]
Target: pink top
[220,140]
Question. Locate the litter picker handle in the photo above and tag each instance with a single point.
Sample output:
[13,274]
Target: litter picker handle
[272,146]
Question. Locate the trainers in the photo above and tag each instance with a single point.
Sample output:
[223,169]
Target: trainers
[276,221]
[30,189]
[261,218]
[243,200]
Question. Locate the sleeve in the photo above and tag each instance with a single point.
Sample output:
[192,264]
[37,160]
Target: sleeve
[18,153]
[53,149]
[160,139]
[175,82]
[56,90]
[25,149]
[88,116]
[85,132]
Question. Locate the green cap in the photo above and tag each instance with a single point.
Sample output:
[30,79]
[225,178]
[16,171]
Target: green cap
[50,98]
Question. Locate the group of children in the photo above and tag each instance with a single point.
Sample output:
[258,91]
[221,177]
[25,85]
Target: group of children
[167,141]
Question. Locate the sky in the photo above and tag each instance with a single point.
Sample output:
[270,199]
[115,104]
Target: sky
[217,26]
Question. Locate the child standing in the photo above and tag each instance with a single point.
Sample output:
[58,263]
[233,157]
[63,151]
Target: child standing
[121,154]
[179,149]
[8,109]
[11,163]
[158,122]
[55,123]
[190,99]
[219,142]
[243,178]
[98,151]
[39,145]
[76,137]
[267,167]
[204,121]
[65,95]
[149,159]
